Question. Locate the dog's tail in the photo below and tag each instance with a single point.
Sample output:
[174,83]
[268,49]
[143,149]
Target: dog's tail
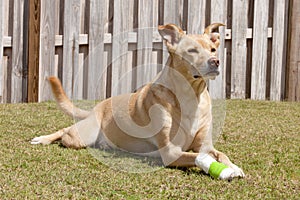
[64,102]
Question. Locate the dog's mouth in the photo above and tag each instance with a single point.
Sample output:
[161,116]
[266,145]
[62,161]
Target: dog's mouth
[209,74]
[212,73]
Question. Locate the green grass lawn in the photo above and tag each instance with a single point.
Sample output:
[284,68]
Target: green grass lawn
[263,138]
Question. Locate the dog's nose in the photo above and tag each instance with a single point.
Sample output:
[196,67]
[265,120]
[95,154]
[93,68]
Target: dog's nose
[214,62]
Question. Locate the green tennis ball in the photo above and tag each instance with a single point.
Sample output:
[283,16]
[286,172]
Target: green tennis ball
[216,169]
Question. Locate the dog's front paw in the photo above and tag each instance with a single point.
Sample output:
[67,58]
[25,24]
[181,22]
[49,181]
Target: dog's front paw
[238,172]
[40,140]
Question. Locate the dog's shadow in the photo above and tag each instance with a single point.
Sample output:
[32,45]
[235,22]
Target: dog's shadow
[125,161]
[128,162]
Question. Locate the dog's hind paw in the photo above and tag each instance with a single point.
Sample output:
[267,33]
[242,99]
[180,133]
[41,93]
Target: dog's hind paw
[238,172]
[40,140]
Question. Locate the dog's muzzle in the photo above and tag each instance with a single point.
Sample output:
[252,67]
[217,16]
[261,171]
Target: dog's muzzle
[213,65]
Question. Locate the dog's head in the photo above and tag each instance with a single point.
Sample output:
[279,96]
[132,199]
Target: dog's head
[199,52]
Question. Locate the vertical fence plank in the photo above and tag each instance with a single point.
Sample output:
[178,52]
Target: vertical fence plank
[277,50]
[71,47]
[145,71]
[172,14]
[239,48]
[155,13]
[47,49]
[293,74]
[218,14]
[121,81]
[1,50]
[33,50]
[196,16]
[97,67]
[17,52]
[5,92]
[259,54]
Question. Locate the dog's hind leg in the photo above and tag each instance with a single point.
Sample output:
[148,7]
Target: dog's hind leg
[69,138]
[72,139]
[48,139]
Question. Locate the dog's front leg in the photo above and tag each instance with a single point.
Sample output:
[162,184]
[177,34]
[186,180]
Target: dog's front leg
[173,156]
[171,152]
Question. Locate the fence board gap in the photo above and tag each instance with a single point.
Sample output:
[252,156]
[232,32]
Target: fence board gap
[108,49]
[268,70]
[249,68]
[228,68]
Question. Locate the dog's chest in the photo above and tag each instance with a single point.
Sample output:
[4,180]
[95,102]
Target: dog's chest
[193,119]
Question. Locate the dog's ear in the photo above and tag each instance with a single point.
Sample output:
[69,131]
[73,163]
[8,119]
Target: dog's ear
[170,33]
[213,36]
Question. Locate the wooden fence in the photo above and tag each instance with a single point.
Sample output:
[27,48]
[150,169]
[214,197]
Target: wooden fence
[91,44]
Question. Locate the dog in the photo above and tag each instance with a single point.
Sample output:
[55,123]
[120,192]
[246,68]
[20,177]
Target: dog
[170,118]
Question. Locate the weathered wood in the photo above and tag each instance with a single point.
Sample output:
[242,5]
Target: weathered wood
[17,52]
[71,47]
[239,48]
[5,92]
[172,14]
[293,73]
[70,29]
[145,71]
[278,50]
[259,53]
[155,13]
[1,50]
[97,68]
[83,9]
[218,14]
[121,78]
[47,49]
[33,50]
[196,16]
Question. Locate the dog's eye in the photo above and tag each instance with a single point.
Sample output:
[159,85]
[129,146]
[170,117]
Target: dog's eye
[213,50]
[193,51]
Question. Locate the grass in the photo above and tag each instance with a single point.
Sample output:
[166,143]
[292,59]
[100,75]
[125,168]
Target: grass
[261,137]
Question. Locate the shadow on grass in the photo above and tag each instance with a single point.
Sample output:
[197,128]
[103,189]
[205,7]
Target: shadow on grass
[125,161]
[132,163]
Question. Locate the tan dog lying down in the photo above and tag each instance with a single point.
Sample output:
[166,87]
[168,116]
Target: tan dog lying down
[169,118]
